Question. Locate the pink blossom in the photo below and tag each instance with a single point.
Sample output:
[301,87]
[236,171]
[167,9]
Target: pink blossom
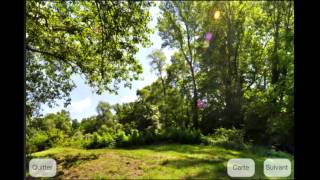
[200,104]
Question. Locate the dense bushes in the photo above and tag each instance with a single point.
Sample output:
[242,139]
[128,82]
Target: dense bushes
[135,137]
[116,137]
[114,134]
[41,140]
[185,136]
[37,142]
[101,141]
[231,138]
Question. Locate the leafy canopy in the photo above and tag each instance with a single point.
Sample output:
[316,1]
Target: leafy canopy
[97,39]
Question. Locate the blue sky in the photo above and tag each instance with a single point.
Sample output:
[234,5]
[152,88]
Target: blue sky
[84,101]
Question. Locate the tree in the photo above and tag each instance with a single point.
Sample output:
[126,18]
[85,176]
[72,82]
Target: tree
[235,57]
[221,63]
[75,125]
[45,132]
[158,61]
[97,39]
[104,114]
[89,125]
[178,29]
[172,113]
[60,120]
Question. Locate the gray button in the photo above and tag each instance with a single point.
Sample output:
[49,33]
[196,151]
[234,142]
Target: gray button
[241,167]
[42,167]
[277,167]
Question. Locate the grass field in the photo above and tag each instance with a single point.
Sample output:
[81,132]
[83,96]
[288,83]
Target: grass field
[169,161]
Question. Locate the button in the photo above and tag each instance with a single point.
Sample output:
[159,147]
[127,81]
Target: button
[241,167]
[277,167]
[42,167]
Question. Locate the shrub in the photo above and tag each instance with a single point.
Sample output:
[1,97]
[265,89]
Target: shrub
[149,137]
[232,138]
[107,137]
[77,140]
[56,137]
[100,141]
[135,137]
[184,136]
[121,139]
[37,142]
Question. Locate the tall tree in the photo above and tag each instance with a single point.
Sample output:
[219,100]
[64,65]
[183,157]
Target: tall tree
[104,113]
[180,30]
[221,67]
[158,61]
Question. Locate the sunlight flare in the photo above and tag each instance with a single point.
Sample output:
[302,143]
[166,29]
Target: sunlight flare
[216,15]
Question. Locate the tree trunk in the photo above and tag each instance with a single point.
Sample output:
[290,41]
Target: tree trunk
[275,57]
[165,100]
[195,99]
[163,86]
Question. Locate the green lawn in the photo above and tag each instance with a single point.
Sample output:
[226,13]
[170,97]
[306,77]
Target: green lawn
[154,161]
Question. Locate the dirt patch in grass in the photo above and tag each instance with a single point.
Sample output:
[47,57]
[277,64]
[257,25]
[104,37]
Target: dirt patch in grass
[110,164]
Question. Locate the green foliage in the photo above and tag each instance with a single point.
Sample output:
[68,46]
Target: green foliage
[179,135]
[77,140]
[50,131]
[89,125]
[244,73]
[183,34]
[140,115]
[38,142]
[75,126]
[121,139]
[100,141]
[158,61]
[56,137]
[135,138]
[60,120]
[231,138]
[97,39]
[104,113]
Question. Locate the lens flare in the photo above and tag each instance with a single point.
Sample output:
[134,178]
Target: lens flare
[200,104]
[216,15]
[208,36]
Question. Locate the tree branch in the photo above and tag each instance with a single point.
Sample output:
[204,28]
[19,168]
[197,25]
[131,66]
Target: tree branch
[51,54]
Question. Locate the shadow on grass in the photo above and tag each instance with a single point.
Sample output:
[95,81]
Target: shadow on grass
[182,163]
[191,149]
[210,168]
[212,165]
[71,160]
[67,161]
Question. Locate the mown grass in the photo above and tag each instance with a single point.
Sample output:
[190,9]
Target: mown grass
[168,161]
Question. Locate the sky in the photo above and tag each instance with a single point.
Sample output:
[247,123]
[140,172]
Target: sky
[84,101]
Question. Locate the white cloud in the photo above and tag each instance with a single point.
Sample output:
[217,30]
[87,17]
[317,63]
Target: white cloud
[81,105]
[126,99]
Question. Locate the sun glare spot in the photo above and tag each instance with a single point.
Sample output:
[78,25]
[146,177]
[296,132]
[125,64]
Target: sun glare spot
[216,15]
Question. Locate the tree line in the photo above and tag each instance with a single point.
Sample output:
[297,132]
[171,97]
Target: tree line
[233,68]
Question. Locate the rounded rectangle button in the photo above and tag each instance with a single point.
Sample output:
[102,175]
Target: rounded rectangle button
[241,167]
[42,167]
[277,167]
